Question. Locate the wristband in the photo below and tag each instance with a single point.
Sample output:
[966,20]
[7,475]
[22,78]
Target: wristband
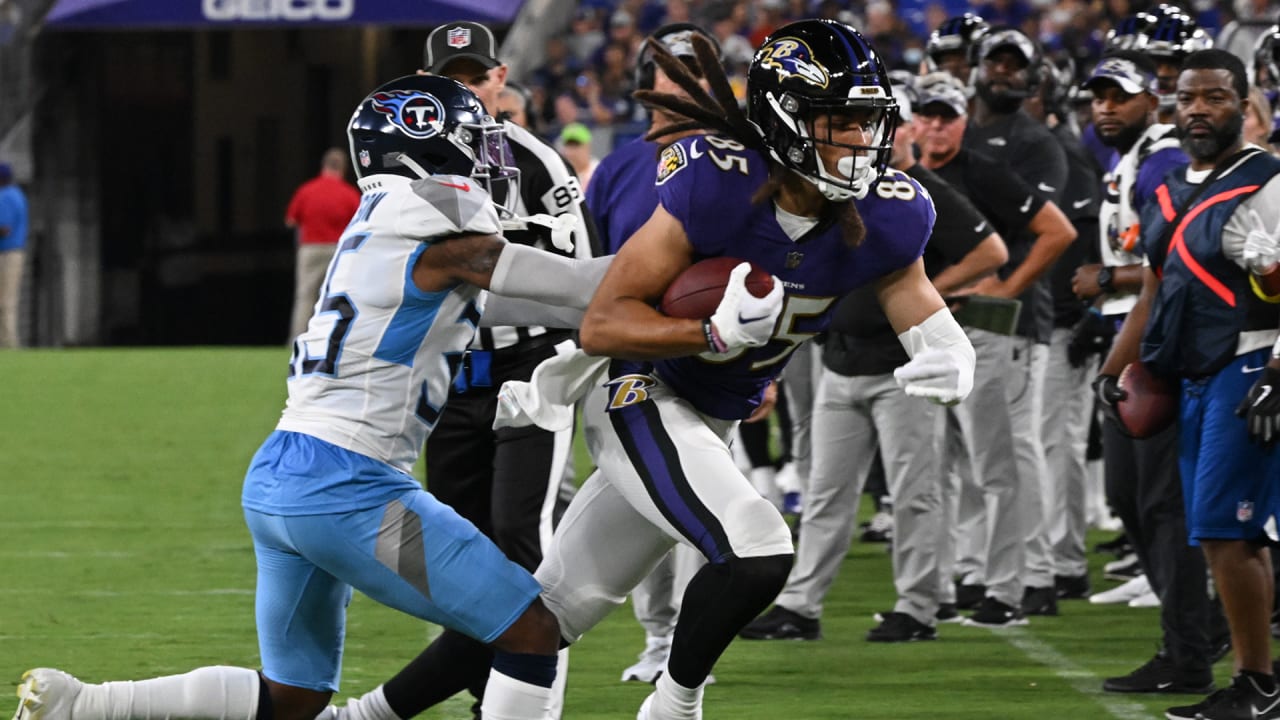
[1262,294]
[713,338]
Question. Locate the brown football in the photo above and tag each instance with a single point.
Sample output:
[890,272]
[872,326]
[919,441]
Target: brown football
[697,291]
[1151,404]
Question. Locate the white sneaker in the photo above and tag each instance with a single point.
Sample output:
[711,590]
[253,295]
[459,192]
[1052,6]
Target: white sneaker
[46,694]
[652,661]
[1147,599]
[1122,593]
[644,712]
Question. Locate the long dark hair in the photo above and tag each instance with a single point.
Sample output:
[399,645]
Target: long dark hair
[719,112]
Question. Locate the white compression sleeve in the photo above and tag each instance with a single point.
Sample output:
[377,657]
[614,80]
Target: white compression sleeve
[939,330]
[500,310]
[532,274]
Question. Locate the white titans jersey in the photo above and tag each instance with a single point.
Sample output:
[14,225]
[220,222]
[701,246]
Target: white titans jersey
[372,370]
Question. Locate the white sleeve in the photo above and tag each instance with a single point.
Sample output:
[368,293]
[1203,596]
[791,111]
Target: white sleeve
[500,310]
[1266,203]
[532,274]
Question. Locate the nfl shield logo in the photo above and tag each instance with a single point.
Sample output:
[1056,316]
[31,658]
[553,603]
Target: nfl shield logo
[1244,511]
[459,37]
[364,159]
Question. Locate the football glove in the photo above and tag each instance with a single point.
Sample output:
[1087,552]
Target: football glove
[742,319]
[942,374]
[1261,246]
[1261,408]
[1106,388]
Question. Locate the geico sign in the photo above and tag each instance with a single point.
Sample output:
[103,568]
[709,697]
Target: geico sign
[278,9]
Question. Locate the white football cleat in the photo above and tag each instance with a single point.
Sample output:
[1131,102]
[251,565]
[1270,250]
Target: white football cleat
[1147,599]
[1122,593]
[46,694]
[653,661]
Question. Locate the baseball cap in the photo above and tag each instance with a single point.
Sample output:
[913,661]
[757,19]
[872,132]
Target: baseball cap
[942,92]
[575,133]
[458,40]
[1007,38]
[1124,73]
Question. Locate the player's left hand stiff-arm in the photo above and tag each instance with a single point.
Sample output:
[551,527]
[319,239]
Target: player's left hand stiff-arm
[942,360]
[1261,406]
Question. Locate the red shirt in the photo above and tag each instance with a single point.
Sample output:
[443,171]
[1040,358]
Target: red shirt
[321,209]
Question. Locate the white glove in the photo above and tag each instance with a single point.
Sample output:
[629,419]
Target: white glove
[1261,246]
[742,319]
[941,374]
[561,227]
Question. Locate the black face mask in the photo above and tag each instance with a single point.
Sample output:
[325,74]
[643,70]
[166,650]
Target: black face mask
[1220,139]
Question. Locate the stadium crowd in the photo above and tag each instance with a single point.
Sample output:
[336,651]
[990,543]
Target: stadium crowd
[587,73]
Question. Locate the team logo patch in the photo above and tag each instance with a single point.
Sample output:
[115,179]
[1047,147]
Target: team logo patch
[420,115]
[629,390]
[458,37]
[791,57]
[365,160]
[671,161]
[1244,511]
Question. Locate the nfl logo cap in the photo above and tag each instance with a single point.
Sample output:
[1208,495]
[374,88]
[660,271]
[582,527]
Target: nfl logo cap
[1122,72]
[458,40]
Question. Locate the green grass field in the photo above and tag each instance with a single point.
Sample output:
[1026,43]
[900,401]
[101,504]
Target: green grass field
[125,556]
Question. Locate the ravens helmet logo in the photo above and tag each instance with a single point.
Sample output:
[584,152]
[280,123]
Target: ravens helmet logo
[792,57]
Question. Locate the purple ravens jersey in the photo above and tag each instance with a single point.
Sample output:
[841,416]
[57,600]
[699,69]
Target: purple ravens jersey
[621,195]
[707,183]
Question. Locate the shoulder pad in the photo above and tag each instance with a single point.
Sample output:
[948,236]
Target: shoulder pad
[462,203]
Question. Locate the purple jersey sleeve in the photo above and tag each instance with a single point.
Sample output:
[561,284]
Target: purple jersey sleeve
[707,183]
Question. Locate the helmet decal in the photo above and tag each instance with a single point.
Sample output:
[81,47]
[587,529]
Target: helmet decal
[419,115]
[792,57]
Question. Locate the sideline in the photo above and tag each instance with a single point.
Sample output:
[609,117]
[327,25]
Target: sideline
[1082,680]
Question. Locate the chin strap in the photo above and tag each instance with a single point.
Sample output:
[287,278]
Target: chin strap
[412,164]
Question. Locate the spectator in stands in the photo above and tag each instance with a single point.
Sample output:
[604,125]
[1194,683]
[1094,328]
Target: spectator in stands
[319,211]
[586,33]
[575,145]
[13,242]
[1257,120]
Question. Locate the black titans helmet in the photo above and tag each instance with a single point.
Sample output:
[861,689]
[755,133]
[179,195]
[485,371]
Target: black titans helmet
[421,125]
[813,68]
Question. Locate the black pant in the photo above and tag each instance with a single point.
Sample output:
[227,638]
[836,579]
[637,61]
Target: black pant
[1144,489]
[497,479]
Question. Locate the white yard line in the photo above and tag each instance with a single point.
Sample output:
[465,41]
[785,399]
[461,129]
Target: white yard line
[1082,680]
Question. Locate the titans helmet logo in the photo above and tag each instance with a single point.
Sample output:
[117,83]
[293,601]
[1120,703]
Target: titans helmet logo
[419,115]
[792,57]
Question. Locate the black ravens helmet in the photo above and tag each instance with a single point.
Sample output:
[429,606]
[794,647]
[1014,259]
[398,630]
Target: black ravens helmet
[813,68]
[1266,59]
[421,125]
[959,34]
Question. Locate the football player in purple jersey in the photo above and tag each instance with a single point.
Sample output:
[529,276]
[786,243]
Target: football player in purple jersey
[799,187]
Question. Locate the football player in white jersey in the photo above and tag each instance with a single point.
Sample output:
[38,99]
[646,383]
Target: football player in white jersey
[329,498]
